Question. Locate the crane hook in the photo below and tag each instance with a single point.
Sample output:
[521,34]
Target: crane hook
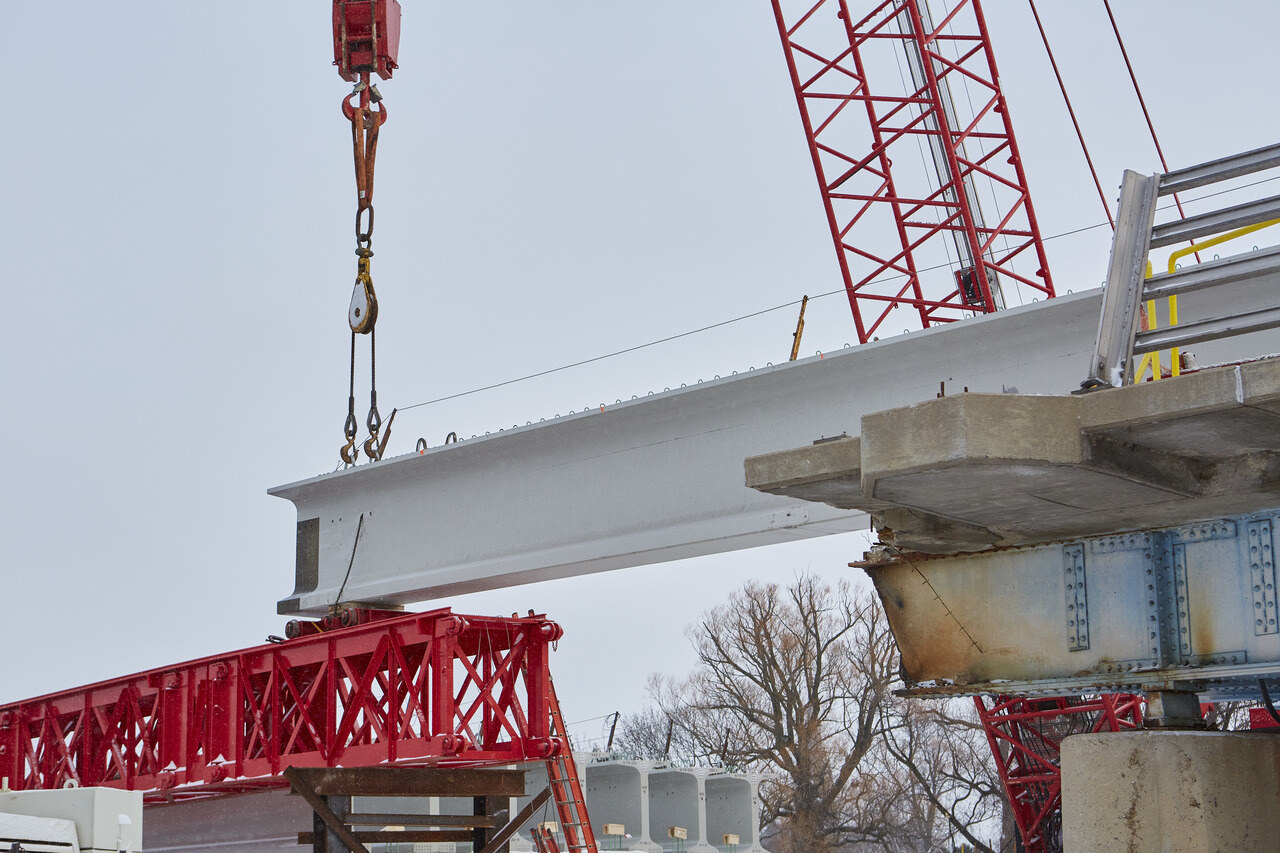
[348,451]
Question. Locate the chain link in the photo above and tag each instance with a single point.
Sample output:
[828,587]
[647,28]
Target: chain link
[363,314]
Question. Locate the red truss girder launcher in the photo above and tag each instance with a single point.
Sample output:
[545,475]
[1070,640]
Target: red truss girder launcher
[431,687]
[916,159]
[1026,736]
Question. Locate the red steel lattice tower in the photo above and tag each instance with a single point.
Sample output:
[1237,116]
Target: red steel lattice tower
[1026,737]
[957,197]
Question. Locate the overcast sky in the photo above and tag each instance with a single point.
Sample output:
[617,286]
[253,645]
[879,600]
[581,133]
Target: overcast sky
[556,180]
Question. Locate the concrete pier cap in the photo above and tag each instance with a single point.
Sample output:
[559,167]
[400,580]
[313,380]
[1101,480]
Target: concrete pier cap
[1171,792]
[974,472]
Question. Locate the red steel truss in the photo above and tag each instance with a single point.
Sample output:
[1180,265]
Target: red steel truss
[957,198]
[432,687]
[1025,736]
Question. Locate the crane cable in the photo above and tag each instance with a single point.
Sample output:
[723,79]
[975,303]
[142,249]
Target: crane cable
[362,315]
[1164,164]
[1071,110]
[1137,91]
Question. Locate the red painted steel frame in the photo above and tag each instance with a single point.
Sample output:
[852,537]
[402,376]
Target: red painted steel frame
[421,688]
[366,38]
[827,51]
[1025,736]
[1260,718]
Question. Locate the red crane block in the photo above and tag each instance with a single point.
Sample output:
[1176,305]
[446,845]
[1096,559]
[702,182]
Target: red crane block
[366,37]
[434,687]
[1026,735]
[916,159]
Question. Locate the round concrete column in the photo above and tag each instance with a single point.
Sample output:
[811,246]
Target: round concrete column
[1171,792]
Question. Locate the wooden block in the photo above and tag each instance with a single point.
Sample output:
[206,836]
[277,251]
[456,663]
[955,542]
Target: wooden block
[677,832]
[377,819]
[408,836]
[412,781]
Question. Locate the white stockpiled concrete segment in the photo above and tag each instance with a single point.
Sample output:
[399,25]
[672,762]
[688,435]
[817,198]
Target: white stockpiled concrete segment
[660,478]
[678,797]
[645,796]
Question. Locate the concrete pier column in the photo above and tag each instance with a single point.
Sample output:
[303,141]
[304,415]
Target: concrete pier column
[1171,792]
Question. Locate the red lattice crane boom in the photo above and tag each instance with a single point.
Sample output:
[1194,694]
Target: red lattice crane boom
[968,210]
[957,199]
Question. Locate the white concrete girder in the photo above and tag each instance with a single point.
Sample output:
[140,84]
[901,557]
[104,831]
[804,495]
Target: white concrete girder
[648,480]
[661,478]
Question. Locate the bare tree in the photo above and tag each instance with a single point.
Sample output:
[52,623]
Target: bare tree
[1229,716]
[651,734]
[798,682]
[791,681]
[943,749]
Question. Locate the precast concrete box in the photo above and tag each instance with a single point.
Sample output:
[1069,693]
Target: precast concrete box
[618,792]
[733,808]
[106,819]
[677,797]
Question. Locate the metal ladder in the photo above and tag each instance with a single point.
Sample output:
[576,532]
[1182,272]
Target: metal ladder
[566,790]
[544,841]
[1127,286]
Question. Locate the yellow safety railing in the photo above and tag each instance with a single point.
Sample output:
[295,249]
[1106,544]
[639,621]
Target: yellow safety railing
[1151,361]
